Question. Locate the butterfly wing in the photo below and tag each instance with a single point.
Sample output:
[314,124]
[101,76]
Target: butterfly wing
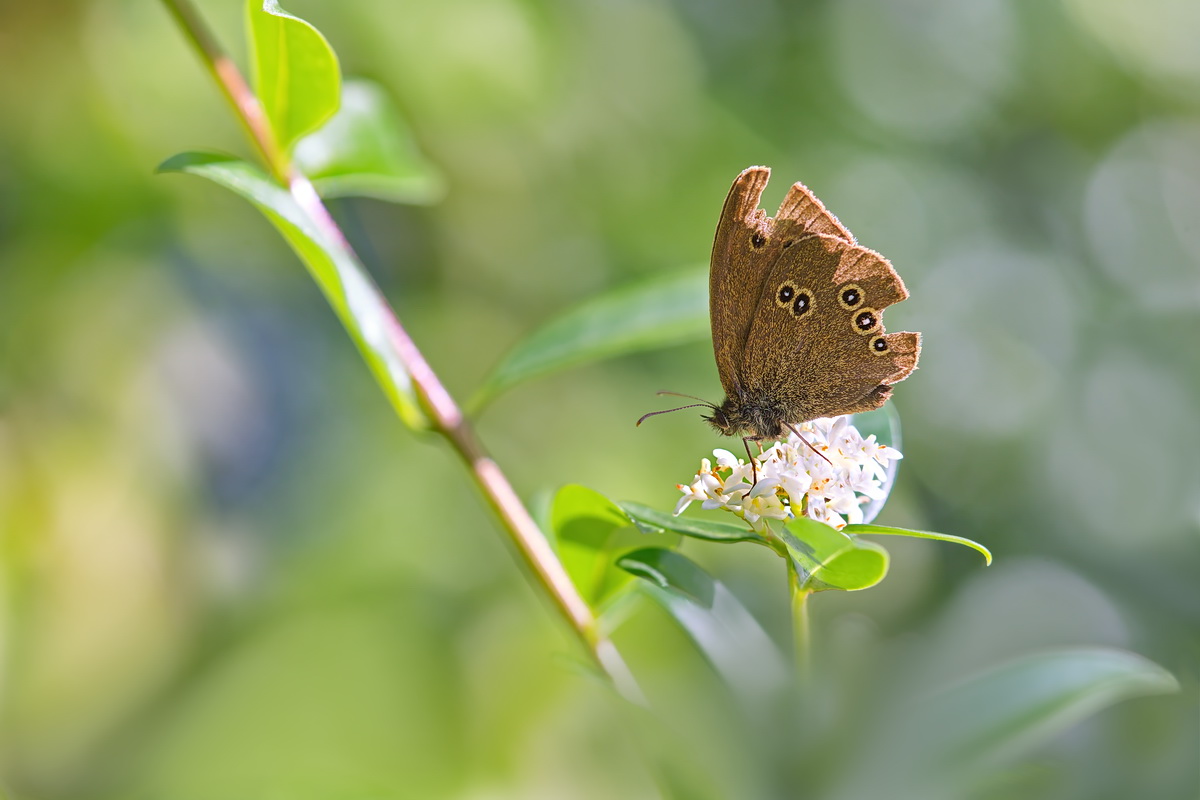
[747,246]
[816,345]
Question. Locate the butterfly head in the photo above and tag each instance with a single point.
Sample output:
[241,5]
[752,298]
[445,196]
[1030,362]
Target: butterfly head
[761,419]
[721,422]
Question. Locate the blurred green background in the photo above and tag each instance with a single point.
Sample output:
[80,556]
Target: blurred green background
[226,570]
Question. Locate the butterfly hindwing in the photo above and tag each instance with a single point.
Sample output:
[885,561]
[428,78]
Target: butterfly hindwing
[802,212]
[816,344]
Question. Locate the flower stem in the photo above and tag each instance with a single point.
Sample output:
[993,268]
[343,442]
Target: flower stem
[444,416]
[801,630]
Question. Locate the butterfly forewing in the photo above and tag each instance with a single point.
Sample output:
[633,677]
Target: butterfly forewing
[747,246]
[735,276]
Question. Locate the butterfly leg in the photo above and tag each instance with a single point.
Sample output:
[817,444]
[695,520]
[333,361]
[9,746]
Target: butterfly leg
[753,464]
[810,444]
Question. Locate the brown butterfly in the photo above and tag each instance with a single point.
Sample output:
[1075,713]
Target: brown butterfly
[796,308]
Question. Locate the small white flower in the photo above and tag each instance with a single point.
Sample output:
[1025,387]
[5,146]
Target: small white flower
[725,458]
[794,480]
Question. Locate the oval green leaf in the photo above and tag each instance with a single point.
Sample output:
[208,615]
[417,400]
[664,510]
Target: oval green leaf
[830,559]
[295,71]
[354,297]
[590,533]
[367,150]
[884,530]
[657,313]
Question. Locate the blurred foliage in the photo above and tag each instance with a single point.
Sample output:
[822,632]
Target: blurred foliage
[225,568]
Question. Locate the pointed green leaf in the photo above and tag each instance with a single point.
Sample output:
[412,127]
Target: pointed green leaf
[830,559]
[724,631]
[295,71]
[667,569]
[645,316]
[883,530]
[948,742]
[355,298]
[590,533]
[366,150]
[652,519]
[1014,707]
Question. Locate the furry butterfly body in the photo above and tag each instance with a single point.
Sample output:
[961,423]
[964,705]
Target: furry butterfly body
[796,308]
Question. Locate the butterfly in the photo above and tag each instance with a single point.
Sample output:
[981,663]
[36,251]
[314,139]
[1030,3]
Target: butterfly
[796,308]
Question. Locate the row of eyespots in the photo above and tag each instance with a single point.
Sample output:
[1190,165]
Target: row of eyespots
[799,301]
[851,297]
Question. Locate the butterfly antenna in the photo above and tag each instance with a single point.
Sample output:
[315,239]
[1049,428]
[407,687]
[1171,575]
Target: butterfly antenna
[688,396]
[811,446]
[645,417]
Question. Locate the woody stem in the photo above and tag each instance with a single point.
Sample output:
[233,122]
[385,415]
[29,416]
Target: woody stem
[444,415]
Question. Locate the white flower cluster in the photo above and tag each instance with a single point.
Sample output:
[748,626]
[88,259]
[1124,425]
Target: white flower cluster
[793,480]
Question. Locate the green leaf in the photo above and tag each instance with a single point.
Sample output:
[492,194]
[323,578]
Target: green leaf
[590,532]
[295,71]
[354,297]
[652,519]
[830,559]
[366,150]
[827,558]
[727,635]
[883,530]
[667,569]
[1013,708]
[644,316]
[945,743]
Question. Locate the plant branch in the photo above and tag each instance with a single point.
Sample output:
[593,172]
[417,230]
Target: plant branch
[445,416]
[233,86]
